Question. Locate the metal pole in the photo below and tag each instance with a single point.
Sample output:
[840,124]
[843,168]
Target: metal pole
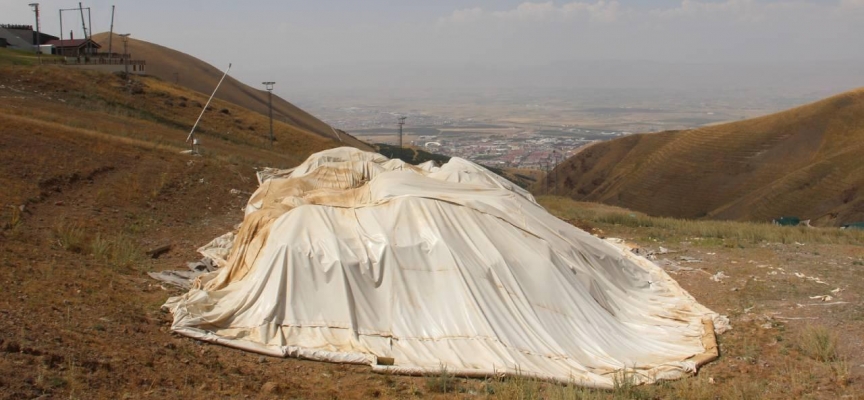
[401,123]
[111,35]
[83,24]
[269,87]
[61,28]
[90,23]
[270,101]
[38,38]
[125,55]
[192,132]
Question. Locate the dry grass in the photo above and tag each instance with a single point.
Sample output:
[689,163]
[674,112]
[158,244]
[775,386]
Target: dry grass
[105,112]
[803,162]
[442,382]
[70,236]
[818,343]
[733,233]
[125,252]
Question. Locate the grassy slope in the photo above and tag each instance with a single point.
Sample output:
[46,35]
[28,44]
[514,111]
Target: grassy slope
[803,162]
[163,62]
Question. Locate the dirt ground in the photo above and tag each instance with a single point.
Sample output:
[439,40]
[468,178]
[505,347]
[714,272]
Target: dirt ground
[79,323]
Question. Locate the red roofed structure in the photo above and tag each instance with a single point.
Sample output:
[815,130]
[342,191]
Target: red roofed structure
[74,47]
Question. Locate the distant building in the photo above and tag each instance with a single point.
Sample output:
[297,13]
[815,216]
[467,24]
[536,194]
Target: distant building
[74,47]
[23,37]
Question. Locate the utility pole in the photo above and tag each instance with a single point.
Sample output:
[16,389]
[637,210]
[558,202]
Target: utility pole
[125,37]
[38,38]
[401,124]
[83,24]
[269,87]
[111,35]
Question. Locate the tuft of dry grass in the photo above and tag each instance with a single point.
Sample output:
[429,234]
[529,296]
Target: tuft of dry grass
[125,252]
[70,236]
[100,248]
[818,343]
[442,382]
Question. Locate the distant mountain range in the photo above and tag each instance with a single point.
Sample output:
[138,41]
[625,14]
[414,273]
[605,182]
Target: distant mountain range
[806,162]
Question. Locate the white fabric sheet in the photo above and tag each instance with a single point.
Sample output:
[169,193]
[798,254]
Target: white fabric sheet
[350,257]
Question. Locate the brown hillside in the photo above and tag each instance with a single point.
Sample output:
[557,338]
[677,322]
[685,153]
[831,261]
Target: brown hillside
[804,162]
[91,178]
[163,62]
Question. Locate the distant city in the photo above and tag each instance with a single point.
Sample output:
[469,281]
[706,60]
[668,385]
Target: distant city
[496,145]
[524,129]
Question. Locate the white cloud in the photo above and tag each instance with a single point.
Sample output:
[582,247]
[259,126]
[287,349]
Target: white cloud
[529,11]
[741,10]
[466,15]
[600,11]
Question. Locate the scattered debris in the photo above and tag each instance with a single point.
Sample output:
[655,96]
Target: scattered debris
[672,266]
[719,277]
[688,259]
[155,253]
[184,279]
[822,298]
[823,304]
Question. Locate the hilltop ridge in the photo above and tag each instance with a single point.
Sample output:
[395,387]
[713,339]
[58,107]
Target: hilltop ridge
[802,162]
[197,75]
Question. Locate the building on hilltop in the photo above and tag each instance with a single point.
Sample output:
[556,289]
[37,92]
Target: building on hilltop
[23,37]
[74,47]
[77,53]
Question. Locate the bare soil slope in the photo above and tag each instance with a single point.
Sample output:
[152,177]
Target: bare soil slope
[804,162]
[192,73]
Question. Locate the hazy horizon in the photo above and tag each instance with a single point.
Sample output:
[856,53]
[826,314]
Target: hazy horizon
[378,46]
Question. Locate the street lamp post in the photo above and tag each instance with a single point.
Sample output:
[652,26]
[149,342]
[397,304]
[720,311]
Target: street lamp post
[269,87]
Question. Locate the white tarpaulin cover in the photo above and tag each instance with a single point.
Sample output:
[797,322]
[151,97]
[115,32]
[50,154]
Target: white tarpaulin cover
[352,257]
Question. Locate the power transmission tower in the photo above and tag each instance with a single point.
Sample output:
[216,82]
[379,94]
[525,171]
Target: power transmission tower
[401,124]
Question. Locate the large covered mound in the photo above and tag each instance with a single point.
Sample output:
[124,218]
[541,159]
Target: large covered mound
[352,257]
